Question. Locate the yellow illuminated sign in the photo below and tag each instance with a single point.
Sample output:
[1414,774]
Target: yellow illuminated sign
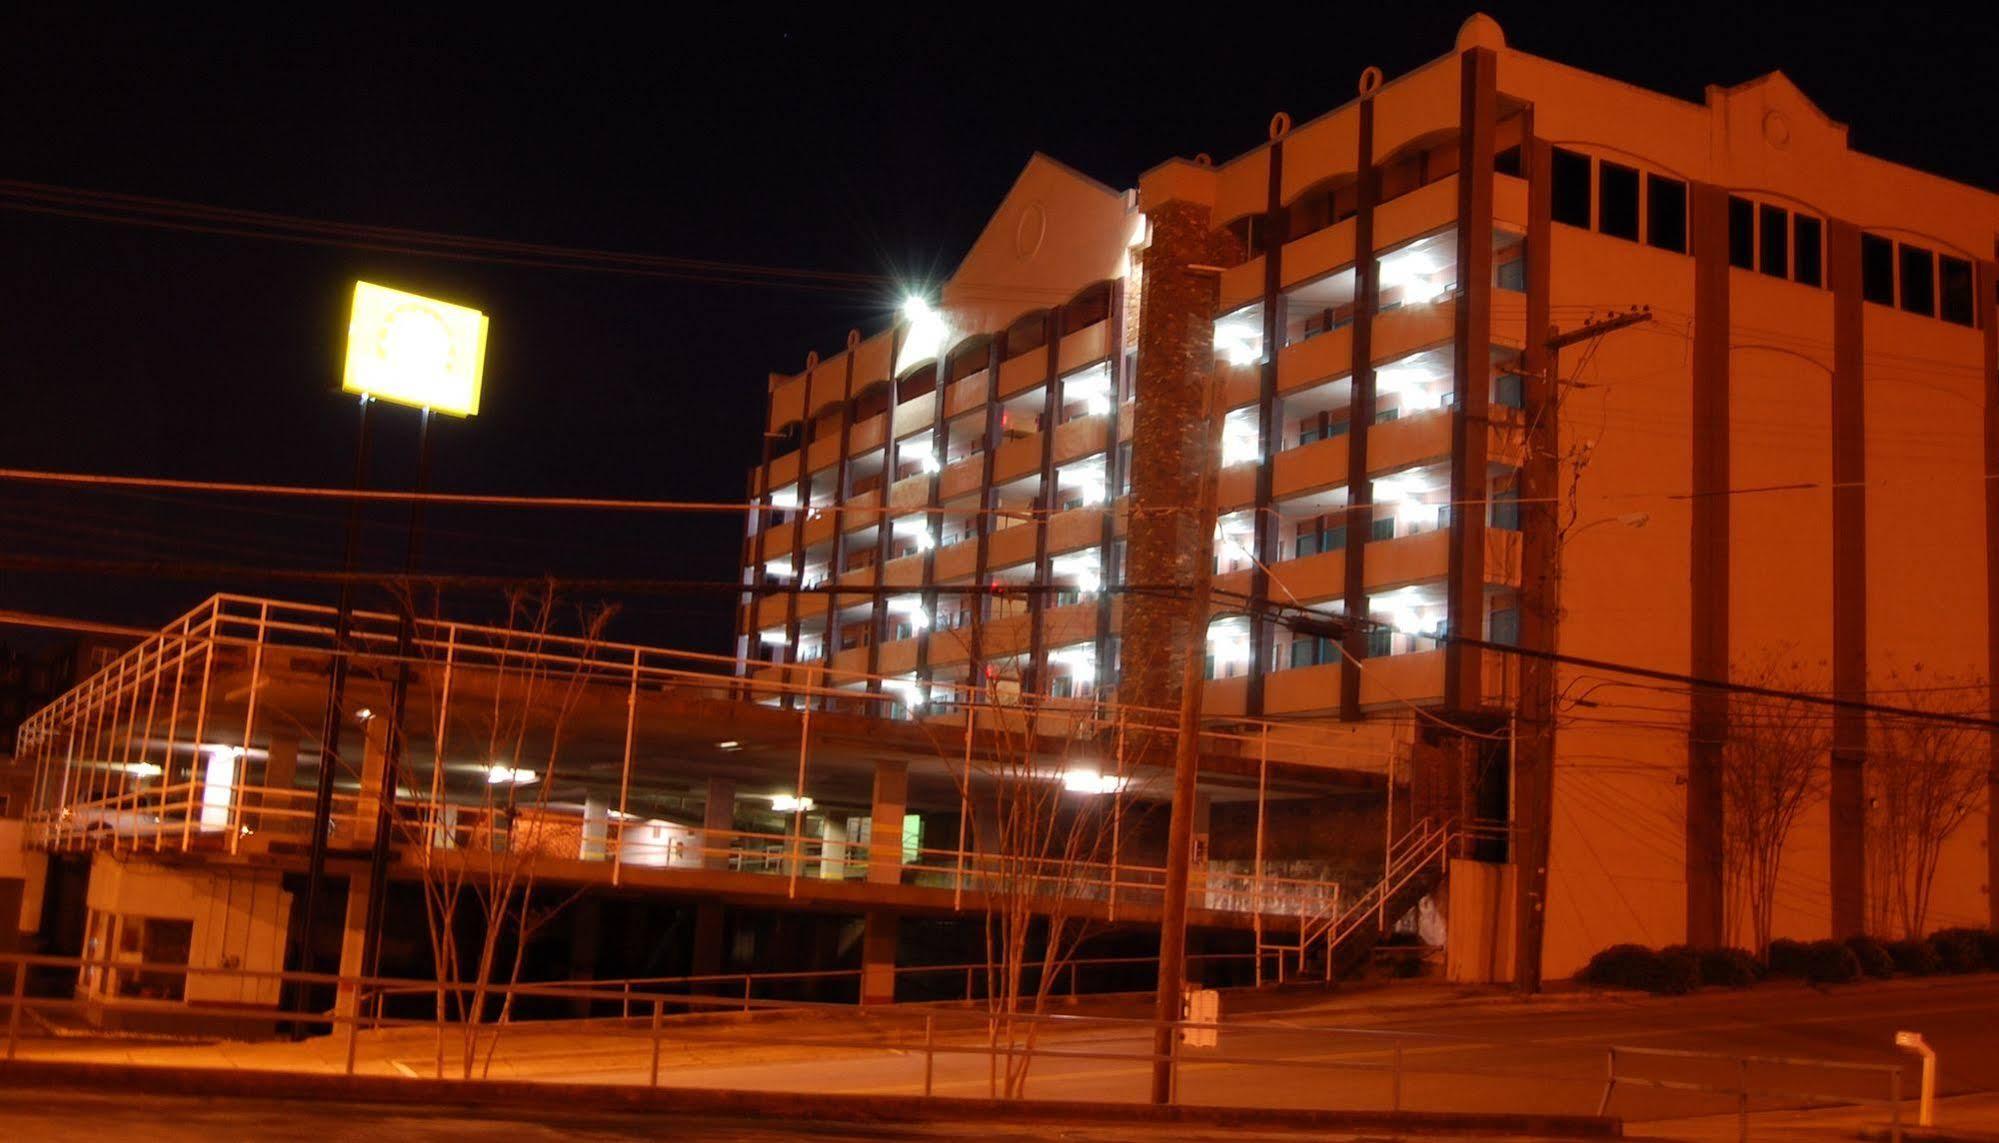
[415,350]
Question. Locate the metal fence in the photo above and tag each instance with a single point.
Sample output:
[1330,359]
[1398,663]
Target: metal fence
[935,1049]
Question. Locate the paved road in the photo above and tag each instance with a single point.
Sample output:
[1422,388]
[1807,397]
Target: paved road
[32,1117]
[1302,1051]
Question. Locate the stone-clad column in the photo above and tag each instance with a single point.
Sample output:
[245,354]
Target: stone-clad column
[1176,358]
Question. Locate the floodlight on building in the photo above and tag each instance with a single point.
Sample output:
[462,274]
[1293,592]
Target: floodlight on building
[731,744]
[143,769]
[790,804]
[498,775]
[924,338]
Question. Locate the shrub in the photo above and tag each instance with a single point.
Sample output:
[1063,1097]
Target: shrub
[1788,958]
[1729,968]
[1830,962]
[1624,966]
[1679,970]
[1873,956]
[1914,958]
[1959,950]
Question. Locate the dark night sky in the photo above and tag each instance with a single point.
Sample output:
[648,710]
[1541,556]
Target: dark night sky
[837,141]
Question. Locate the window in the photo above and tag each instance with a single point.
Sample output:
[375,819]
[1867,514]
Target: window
[1570,190]
[1919,281]
[1773,253]
[1807,250]
[1617,201]
[1384,528]
[1507,390]
[1308,544]
[1666,213]
[1741,233]
[1877,269]
[1507,162]
[1506,509]
[1380,641]
[1506,626]
[1957,291]
[1512,275]
[1383,416]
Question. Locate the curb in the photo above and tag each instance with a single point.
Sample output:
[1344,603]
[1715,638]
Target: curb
[493,1094]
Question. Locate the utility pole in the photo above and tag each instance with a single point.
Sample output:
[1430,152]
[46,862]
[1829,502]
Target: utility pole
[1533,766]
[1186,764]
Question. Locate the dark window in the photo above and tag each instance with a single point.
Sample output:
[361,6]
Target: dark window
[1741,233]
[1807,250]
[1506,390]
[1666,213]
[1506,626]
[1957,292]
[1333,539]
[1513,275]
[1617,202]
[1304,653]
[1308,544]
[1383,416]
[1877,269]
[1379,641]
[1773,254]
[1570,191]
[1384,528]
[1919,281]
[1506,509]
[1507,162]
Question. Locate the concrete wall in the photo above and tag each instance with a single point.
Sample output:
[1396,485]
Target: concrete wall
[240,920]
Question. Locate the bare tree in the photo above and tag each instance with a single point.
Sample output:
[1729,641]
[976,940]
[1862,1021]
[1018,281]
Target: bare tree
[1773,768]
[1925,777]
[481,859]
[1050,790]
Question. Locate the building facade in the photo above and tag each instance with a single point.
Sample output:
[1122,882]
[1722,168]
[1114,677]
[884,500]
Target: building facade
[1526,370]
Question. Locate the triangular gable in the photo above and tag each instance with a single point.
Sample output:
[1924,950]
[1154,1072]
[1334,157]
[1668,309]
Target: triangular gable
[1056,231]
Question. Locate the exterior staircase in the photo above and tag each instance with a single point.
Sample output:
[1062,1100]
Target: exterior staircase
[1340,939]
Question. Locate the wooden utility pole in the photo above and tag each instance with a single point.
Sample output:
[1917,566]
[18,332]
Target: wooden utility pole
[1186,764]
[1532,755]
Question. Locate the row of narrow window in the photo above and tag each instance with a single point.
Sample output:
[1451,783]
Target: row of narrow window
[1601,195]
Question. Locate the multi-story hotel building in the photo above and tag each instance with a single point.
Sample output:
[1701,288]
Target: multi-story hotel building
[1789,454]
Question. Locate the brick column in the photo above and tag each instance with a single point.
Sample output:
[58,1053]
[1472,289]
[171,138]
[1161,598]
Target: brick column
[1465,600]
[1708,591]
[1987,286]
[1847,788]
[1360,414]
[878,621]
[1037,603]
[1175,361]
[804,486]
[836,561]
[1263,528]
[988,501]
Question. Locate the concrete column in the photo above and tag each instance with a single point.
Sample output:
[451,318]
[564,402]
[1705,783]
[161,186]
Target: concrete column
[280,769]
[832,848]
[596,829]
[374,759]
[878,958]
[353,931]
[891,802]
[718,816]
[708,938]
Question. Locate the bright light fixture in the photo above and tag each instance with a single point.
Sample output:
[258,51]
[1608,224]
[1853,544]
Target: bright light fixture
[731,744]
[1083,781]
[414,350]
[142,769]
[498,775]
[925,336]
[789,804]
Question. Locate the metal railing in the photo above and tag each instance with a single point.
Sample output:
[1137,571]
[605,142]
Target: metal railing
[1746,1084]
[652,1014]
